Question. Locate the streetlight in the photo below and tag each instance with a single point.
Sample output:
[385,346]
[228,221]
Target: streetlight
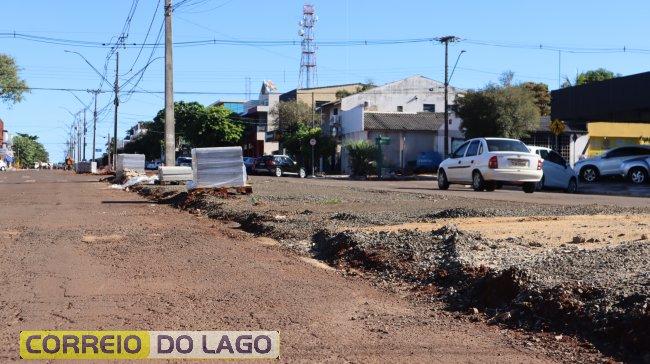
[75,126]
[85,128]
[95,92]
[90,64]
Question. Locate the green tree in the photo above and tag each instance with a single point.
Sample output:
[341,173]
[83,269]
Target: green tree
[498,111]
[292,114]
[539,90]
[362,154]
[296,142]
[586,77]
[596,75]
[28,150]
[200,126]
[216,127]
[12,87]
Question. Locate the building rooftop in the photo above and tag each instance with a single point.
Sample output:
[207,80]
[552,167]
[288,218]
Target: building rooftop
[422,121]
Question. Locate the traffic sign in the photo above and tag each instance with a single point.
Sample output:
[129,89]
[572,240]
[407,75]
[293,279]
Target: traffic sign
[380,140]
[312,142]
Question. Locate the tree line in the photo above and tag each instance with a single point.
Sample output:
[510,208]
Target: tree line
[512,110]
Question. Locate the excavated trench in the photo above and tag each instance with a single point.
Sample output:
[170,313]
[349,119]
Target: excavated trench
[599,294]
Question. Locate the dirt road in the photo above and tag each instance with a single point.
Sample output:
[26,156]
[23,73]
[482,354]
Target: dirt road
[77,255]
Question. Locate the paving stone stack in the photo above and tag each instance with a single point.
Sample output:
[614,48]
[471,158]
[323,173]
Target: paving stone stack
[131,162]
[218,167]
[174,174]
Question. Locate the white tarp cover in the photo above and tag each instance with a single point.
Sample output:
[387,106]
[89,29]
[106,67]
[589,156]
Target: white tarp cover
[167,174]
[217,167]
[133,162]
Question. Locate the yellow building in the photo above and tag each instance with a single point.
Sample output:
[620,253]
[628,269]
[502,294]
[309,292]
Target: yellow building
[608,135]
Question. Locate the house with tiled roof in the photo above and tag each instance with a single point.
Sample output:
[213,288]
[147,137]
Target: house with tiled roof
[408,111]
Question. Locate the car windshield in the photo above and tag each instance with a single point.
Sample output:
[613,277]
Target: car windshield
[506,145]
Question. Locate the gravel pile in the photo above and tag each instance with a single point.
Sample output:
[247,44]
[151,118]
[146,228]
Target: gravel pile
[602,294]
[516,210]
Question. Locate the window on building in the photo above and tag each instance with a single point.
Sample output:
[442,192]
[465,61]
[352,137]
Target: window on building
[429,107]
[400,108]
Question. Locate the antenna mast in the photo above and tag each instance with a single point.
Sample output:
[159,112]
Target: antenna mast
[307,77]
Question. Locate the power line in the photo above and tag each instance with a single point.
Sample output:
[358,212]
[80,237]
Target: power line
[153,18]
[143,91]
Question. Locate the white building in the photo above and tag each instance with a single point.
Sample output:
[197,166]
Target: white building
[260,122]
[409,111]
[135,131]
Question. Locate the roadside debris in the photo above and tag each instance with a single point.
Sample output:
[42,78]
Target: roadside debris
[131,178]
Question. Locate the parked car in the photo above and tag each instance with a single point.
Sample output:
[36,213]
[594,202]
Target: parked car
[489,162]
[3,165]
[557,172]
[428,161]
[153,165]
[278,165]
[249,162]
[636,170]
[184,161]
[608,163]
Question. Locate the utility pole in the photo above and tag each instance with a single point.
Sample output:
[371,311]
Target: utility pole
[446,40]
[95,123]
[108,148]
[84,144]
[170,130]
[79,146]
[117,103]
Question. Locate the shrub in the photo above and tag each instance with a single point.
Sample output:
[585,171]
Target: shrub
[362,155]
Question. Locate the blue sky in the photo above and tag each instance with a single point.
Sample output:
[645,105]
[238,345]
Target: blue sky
[219,68]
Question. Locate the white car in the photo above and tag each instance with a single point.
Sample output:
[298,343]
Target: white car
[488,162]
[557,172]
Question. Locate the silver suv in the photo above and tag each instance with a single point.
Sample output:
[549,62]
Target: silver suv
[608,163]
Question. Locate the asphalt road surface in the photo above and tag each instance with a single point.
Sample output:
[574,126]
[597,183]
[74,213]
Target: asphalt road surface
[75,254]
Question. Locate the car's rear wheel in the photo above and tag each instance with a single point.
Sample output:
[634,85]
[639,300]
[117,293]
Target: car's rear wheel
[302,173]
[637,175]
[278,172]
[572,187]
[540,185]
[529,187]
[589,174]
[443,183]
[477,181]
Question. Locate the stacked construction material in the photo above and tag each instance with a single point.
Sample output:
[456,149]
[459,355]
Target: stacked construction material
[217,167]
[130,162]
[86,167]
[174,174]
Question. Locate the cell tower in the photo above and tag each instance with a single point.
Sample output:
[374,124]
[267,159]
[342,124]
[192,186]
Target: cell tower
[307,77]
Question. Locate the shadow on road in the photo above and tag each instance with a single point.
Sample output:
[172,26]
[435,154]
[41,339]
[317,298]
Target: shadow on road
[128,202]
